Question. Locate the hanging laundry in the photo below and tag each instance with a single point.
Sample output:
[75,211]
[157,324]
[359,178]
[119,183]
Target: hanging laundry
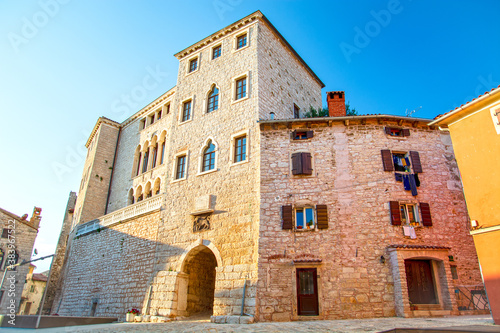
[417,181]
[399,177]
[413,185]
[407,160]
[406,231]
[406,182]
[413,234]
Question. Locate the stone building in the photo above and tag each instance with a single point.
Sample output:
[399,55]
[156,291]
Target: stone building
[32,292]
[221,190]
[16,244]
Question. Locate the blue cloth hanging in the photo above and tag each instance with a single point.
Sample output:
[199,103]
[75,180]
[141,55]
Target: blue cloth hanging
[406,182]
[399,177]
[413,185]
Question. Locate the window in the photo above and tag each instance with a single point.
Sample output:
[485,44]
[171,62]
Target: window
[155,155]
[159,115]
[400,132]
[409,214]
[145,161]
[302,135]
[209,158]
[304,218]
[151,119]
[180,169]
[241,41]
[454,274]
[302,164]
[32,289]
[241,88]
[186,111]
[216,52]
[240,149]
[5,233]
[296,113]
[213,99]
[167,108]
[142,124]
[138,165]
[1,259]
[162,152]
[193,65]
[401,161]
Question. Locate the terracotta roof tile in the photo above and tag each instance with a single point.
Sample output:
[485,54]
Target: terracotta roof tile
[406,246]
[39,277]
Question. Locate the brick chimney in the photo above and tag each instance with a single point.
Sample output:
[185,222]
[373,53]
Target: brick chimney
[336,103]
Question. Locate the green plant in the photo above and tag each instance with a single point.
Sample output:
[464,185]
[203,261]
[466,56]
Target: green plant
[315,113]
[349,111]
[133,311]
[310,223]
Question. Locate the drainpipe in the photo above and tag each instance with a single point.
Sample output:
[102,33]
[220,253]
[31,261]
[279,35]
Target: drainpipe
[243,300]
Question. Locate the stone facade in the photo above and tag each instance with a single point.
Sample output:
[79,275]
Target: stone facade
[16,244]
[184,220]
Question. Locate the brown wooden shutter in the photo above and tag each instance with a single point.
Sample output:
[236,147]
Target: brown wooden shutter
[395,212]
[310,134]
[388,130]
[406,132]
[306,164]
[425,210]
[286,214]
[293,134]
[297,163]
[387,160]
[415,162]
[322,215]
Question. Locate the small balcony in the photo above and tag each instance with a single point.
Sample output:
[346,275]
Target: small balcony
[140,208]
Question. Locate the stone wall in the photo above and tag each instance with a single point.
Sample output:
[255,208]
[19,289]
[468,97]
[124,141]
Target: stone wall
[22,238]
[349,178]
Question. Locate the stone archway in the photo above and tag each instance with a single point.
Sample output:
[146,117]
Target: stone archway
[196,280]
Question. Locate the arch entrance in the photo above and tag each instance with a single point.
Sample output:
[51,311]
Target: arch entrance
[196,286]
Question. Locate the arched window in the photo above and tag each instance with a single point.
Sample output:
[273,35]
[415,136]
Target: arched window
[162,152]
[213,99]
[2,254]
[138,165]
[145,161]
[156,187]
[155,155]
[209,157]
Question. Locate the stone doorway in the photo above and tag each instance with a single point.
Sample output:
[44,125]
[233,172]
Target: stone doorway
[197,287]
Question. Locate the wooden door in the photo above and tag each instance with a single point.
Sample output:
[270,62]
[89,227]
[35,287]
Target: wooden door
[307,292]
[420,282]
[27,308]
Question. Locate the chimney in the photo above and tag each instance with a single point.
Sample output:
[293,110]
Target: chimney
[336,103]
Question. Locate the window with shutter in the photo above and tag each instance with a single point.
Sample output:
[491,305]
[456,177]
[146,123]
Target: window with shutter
[297,163]
[426,214]
[415,161]
[286,214]
[322,216]
[387,160]
[302,164]
[395,212]
[302,135]
[306,164]
[399,132]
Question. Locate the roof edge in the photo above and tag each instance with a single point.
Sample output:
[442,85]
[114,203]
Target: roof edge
[101,120]
[319,119]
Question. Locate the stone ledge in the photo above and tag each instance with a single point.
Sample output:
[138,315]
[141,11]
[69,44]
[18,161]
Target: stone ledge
[232,319]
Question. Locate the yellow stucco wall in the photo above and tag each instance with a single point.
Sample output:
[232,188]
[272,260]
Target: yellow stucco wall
[477,148]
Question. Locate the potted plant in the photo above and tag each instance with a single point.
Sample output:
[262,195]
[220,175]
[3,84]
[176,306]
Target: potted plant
[299,227]
[413,307]
[129,317]
[309,224]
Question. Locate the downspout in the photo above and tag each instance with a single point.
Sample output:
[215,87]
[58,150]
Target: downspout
[112,170]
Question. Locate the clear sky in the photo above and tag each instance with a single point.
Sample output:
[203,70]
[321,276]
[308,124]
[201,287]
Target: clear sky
[64,63]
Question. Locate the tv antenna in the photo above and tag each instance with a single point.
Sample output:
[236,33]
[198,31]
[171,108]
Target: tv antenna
[410,112]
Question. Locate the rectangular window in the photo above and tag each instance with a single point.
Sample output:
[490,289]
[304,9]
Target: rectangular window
[241,41]
[302,164]
[193,65]
[241,88]
[151,119]
[302,135]
[142,124]
[162,152]
[32,289]
[401,161]
[409,214]
[5,233]
[401,132]
[240,149]
[145,160]
[186,111]
[454,274]
[216,52]
[296,111]
[159,115]
[180,170]
[304,218]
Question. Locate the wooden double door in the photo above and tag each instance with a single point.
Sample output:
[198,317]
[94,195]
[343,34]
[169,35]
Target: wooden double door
[307,292]
[420,282]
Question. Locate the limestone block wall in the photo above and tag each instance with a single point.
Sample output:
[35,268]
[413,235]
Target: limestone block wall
[112,267]
[97,170]
[22,238]
[285,79]
[348,177]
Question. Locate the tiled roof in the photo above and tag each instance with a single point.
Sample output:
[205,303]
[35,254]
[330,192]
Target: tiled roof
[461,106]
[307,260]
[405,246]
[39,277]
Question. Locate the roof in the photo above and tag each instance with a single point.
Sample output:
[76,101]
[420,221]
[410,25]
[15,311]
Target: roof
[441,117]
[14,216]
[366,116]
[101,120]
[431,247]
[236,25]
[39,277]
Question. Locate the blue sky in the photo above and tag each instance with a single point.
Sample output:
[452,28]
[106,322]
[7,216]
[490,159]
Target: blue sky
[65,63]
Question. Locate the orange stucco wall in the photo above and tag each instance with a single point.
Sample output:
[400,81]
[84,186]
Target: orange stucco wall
[477,149]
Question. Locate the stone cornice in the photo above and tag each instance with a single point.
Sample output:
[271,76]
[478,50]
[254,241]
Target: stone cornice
[101,120]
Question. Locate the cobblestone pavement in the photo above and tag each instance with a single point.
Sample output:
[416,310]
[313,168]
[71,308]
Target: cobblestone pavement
[349,326]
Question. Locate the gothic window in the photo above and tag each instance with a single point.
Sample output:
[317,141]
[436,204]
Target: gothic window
[209,157]
[213,99]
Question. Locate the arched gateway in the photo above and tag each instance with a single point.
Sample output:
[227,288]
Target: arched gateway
[196,280]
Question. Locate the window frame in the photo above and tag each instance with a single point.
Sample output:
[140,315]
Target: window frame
[303,227]
[405,218]
[209,97]
[212,52]
[204,147]
[236,39]
[185,154]
[234,87]
[232,152]
[190,60]
[181,110]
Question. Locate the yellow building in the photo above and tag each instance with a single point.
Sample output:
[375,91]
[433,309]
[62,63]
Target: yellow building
[475,133]
[32,292]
